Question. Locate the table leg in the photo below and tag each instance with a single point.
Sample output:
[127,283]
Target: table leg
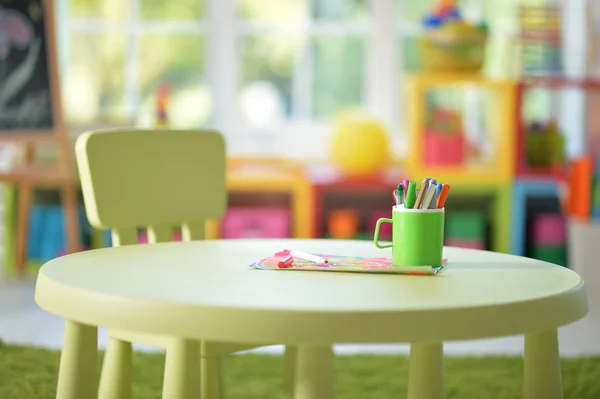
[542,379]
[77,375]
[212,378]
[289,371]
[182,370]
[314,372]
[115,379]
[426,371]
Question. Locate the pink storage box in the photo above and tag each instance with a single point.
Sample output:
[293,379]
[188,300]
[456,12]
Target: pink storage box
[470,244]
[549,229]
[441,149]
[256,223]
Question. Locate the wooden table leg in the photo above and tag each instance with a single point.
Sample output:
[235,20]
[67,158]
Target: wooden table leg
[182,370]
[71,215]
[542,378]
[314,372]
[426,371]
[77,376]
[24,198]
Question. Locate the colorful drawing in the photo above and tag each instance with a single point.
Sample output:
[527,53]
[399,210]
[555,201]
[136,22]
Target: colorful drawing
[356,264]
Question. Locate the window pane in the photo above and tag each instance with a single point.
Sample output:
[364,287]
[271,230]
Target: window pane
[94,81]
[338,73]
[174,9]
[98,9]
[283,11]
[179,63]
[266,77]
[339,9]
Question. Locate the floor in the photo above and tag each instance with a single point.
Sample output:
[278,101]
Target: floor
[22,322]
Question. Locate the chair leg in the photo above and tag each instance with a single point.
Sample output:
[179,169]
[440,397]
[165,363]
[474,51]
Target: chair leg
[115,379]
[212,378]
[426,371]
[542,377]
[289,371]
[77,377]
[182,367]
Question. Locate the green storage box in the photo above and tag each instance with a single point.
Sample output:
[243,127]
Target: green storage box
[465,225]
[556,255]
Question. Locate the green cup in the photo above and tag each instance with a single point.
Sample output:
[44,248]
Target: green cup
[417,236]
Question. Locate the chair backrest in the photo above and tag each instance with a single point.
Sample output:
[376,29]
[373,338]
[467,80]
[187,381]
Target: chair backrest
[157,179]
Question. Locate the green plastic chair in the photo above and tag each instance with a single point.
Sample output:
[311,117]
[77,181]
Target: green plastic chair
[158,179]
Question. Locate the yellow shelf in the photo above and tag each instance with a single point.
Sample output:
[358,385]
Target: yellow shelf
[258,175]
[502,134]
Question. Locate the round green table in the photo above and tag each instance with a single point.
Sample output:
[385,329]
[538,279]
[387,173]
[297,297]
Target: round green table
[206,290]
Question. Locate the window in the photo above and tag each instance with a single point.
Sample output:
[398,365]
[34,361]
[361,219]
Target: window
[259,70]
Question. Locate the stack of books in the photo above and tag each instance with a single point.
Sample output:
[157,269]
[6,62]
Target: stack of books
[541,40]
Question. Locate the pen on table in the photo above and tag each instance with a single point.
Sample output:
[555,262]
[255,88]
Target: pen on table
[422,191]
[443,195]
[405,185]
[309,257]
[411,195]
[428,196]
[286,262]
[438,190]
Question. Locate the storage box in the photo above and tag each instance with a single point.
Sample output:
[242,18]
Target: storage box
[468,226]
[549,230]
[444,149]
[552,254]
[256,223]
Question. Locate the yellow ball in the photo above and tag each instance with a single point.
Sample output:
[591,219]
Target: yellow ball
[360,144]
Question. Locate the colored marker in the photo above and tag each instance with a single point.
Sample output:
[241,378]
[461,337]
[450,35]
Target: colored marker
[411,195]
[405,184]
[422,190]
[309,257]
[438,190]
[428,196]
[443,195]
[286,262]
[395,195]
[400,194]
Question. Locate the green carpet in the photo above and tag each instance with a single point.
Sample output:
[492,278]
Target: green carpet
[27,373]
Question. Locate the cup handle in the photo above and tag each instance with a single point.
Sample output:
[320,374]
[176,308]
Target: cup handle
[376,237]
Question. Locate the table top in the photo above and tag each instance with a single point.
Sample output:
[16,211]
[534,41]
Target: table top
[206,289]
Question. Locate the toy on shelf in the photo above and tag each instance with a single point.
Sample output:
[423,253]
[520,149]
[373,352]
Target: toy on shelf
[360,144]
[541,40]
[343,224]
[450,43]
[545,145]
[444,138]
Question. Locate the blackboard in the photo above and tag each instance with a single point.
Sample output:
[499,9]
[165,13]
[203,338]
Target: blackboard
[25,85]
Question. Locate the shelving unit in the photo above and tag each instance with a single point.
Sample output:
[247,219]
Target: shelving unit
[500,129]
[521,169]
